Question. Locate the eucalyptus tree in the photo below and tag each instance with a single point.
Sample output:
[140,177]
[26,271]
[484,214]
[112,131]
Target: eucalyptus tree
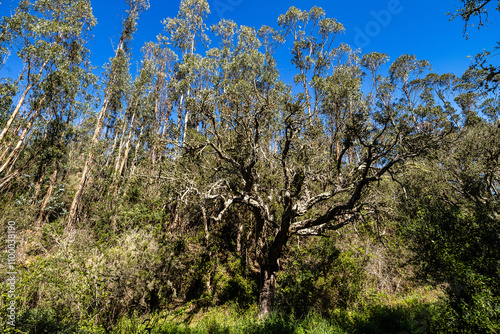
[46,34]
[469,9]
[21,28]
[140,112]
[268,150]
[9,33]
[51,38]
[185,31]
[163,60]
[313,36]
[116,79]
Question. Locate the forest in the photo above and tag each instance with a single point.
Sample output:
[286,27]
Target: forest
[205,193]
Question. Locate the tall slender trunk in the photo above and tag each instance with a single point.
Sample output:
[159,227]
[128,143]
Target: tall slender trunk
[5,149]
[38,187]
[157,126]
[239,237]
[166,117]
[136,151]
[78,195]
[130,108]
[159,148]
[6,180]
[121,164]
[113,147]
[120,170]
[88,164]
[18,148]
[16,111]
[19,104]
[124,141]
[179,113]
[186,121]
[46,199]
[209,273]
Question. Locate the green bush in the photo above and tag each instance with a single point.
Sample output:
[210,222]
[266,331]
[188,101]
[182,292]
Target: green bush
[319,278]
[47,321]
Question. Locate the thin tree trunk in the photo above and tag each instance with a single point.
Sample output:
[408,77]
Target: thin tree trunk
[123,162]
[166,117]
[17,149]
[19,105]
[46,199]
[78,194]
[208,283]
[9,177]
[179,113]
[157,125]
[16,111]
[14,160]
[113,147]
[88,164]
[38,187]
[136,151]
[5,150]
[186,121]
[238,238]
[158,150]
[127,143]
[205,226]
[125,154]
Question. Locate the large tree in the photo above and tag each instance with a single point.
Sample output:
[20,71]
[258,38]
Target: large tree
[50,38]
[185,32]
[303,163]
[52,41]
[116,80]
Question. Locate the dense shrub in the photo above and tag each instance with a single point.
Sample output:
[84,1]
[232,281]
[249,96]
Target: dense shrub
[317,276]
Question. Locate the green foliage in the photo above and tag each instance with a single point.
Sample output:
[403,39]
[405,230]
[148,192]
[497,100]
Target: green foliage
[377,319]
[40,320]
[381,319]
[237,288]
[318,277]
[451,217]
[189,27]
[79,281]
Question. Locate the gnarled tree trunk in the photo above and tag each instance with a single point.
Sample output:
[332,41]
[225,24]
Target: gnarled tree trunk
[269,266]
[267,288]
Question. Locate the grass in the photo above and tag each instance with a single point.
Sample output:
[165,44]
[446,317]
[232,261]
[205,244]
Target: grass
[217,321]
[410,315]
[377,314]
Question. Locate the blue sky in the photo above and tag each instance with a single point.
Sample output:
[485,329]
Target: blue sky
[394,27]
